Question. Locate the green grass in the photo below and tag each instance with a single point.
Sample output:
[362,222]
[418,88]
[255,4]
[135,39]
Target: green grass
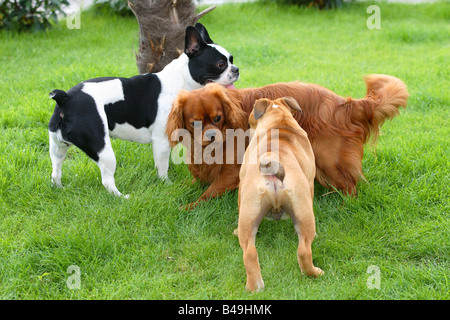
[146,248]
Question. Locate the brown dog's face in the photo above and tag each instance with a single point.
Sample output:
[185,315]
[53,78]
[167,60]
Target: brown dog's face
[208,111]
[204,113]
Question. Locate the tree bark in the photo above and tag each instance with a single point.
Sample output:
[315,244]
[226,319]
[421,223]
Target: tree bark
[162,26]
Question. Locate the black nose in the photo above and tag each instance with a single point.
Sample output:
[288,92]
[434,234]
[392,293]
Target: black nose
[210,134]
[234,69]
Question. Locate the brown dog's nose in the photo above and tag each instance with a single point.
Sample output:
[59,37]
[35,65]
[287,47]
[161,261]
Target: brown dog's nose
[210,134]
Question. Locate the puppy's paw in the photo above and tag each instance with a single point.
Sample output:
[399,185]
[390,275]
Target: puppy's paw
[255,287]
[235,232]
[315,272]
[320,272]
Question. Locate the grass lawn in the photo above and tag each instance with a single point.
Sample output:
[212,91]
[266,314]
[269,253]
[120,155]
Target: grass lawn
[146,248]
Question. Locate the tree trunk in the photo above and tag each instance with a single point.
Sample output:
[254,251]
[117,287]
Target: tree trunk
[162,26]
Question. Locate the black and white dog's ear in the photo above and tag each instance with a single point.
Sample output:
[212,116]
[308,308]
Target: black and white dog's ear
[204,34]
[194,42]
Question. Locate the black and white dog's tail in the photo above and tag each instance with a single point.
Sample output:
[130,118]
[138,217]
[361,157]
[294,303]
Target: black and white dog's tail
[59,96]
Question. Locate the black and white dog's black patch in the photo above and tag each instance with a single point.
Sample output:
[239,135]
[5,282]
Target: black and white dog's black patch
[134,109]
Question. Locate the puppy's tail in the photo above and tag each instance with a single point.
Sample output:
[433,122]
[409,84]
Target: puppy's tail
[363,117]
[273,172]
[270,167]
[59,96]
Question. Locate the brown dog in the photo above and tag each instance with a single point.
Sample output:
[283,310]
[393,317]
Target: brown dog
[337,127]
[277,176]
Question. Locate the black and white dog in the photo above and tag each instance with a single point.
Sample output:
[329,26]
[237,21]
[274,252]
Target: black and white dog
[134,109]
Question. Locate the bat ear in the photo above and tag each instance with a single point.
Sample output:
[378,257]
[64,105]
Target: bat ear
[193,43]
[260,108]
[293,104]
[203,33]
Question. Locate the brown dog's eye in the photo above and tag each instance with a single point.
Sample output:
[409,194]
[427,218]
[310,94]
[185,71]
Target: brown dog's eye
[221,64]
[217,119]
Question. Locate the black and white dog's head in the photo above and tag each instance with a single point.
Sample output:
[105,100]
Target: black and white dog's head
[208,62]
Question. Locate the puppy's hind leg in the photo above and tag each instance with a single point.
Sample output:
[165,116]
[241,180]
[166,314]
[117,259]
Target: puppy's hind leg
[249,220]
[58,151]
[305,227]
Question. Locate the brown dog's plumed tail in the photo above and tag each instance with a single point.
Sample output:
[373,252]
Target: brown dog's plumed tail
[363,117]
[385,94]
[389,94]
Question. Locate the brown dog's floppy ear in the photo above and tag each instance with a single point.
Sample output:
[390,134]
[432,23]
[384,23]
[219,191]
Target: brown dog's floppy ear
[260,108]
[235,117]
[175,120]
[293,104]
